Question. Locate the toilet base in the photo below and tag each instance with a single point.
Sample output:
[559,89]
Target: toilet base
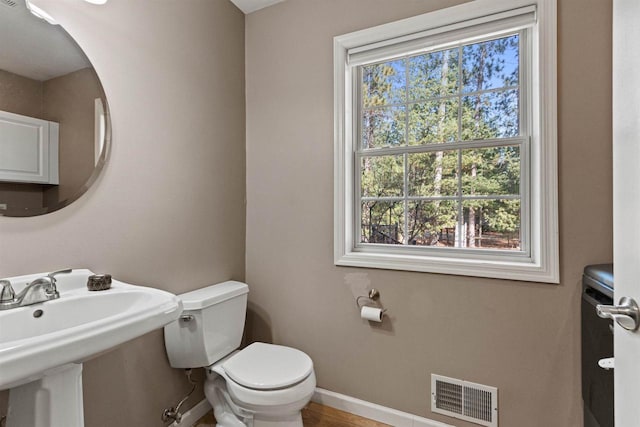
[295,421]
[228,414]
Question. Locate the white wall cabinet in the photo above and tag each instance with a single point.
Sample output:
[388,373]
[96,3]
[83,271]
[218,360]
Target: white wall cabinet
[28,149]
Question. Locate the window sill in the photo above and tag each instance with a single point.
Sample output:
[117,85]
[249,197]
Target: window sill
[526,270]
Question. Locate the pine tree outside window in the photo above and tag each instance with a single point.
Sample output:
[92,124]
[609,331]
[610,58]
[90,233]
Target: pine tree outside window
[445,143]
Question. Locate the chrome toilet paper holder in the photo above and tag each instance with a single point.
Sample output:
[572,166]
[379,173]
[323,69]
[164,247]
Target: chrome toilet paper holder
[373,296]
[369,306]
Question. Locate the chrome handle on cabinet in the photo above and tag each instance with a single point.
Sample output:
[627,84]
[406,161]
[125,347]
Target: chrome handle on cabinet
[626,313]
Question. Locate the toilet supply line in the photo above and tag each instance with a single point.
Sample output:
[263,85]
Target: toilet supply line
[173,413]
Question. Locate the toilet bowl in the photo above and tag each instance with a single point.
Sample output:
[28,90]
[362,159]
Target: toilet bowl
[262,385]
[273,383]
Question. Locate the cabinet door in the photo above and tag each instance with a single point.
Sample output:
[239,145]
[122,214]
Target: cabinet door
[28,149]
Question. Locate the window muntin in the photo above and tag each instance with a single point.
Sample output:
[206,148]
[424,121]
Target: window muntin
[442,144]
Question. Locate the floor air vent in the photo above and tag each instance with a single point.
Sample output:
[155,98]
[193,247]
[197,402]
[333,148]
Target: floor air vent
[9,3]
[467,401]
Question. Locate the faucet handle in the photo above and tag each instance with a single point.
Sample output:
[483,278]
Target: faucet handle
[55,273]
[6,291]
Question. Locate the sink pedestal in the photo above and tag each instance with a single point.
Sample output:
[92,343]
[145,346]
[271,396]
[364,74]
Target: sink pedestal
[53,400]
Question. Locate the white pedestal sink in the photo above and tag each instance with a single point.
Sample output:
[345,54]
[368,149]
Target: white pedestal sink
[42,346]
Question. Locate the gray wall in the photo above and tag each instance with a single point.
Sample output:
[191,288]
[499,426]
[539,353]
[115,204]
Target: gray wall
[168,211]
[521,337]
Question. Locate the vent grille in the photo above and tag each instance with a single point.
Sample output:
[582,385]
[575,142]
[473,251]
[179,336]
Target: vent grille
[464,400]
[449,396]
[9,3]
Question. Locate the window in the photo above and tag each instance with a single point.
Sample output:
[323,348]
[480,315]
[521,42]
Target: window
[446,143]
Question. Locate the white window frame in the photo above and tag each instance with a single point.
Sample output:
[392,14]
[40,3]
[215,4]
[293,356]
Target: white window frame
[540,262]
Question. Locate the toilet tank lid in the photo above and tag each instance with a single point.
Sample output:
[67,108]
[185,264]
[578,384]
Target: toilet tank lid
[214,294]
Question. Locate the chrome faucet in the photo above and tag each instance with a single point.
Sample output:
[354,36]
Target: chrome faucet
[40,290]
[6,291]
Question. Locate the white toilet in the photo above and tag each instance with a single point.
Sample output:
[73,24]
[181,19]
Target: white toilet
[263,385]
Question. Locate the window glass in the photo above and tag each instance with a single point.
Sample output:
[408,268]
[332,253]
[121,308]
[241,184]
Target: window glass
[382,222]
[451,119]
[382,176]
[433,174]
[491,171]
[492,224]
[432,223]
[384,127]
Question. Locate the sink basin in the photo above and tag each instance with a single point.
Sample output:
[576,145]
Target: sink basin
[80,324]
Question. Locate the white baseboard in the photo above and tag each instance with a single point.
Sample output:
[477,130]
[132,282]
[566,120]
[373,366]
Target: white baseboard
[372,411]
[338,401]
[190,417]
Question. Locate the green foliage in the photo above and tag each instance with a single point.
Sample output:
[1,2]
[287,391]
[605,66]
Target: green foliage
[505,216]
[433,174]
[491,171]
[382,176]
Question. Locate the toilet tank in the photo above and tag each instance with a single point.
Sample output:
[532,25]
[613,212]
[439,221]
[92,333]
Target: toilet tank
[210,326]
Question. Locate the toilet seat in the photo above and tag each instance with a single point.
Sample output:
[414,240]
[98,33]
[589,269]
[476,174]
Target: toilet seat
[268,367]
[267,401]
[266,377]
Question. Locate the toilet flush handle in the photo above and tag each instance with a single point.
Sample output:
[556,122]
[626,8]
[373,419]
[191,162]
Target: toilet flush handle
[187,317]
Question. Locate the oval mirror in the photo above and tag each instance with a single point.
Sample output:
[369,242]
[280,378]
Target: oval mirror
[54,120]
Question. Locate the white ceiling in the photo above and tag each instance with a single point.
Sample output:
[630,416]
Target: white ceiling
[35,49]
[248,6]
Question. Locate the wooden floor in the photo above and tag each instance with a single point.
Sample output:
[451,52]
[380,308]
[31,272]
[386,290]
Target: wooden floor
[315,415]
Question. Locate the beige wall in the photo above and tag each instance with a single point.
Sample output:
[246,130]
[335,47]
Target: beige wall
[178,112]
[24,195]
[20,95]
[168,210]
[70,101]
[521,337]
